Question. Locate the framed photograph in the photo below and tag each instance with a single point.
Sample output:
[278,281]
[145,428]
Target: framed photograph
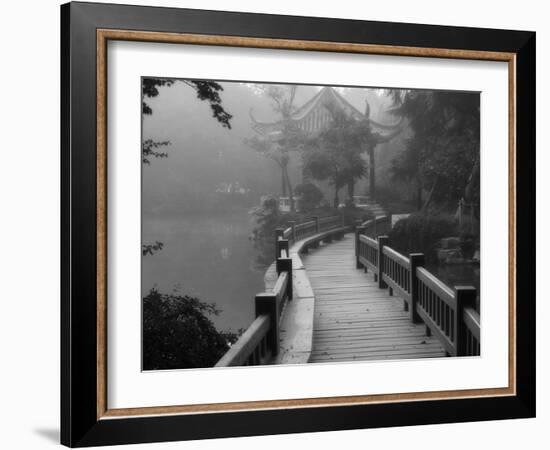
[276,224]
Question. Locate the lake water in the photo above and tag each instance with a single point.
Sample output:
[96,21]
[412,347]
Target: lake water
[209,257]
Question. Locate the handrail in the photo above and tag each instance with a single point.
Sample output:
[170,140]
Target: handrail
[305,229]
[472,335]
[367,252]
[396,273]
[280,288]
[447,313]
[287,233]
[259,344]
[471,319]
[328,223]
[251,348]
[296,232]
[378,226]
[444,292]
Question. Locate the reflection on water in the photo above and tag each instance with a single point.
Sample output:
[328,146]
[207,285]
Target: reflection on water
[209,257]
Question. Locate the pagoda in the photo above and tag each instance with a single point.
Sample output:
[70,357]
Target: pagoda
[314,116]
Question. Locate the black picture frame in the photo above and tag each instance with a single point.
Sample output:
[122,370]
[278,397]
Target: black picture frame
[80,425]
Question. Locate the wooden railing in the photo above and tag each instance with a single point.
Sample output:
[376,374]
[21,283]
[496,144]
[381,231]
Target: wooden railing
[449,314]
[305,229]
[295,232]
[259,344]
[367,253]
[329,223]
[378,226]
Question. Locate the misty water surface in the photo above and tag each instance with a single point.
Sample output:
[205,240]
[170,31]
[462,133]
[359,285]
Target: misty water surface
[208,256]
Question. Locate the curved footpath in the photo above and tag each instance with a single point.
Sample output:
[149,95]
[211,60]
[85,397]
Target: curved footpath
[354,319]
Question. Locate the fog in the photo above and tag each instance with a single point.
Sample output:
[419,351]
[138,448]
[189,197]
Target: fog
[207,252]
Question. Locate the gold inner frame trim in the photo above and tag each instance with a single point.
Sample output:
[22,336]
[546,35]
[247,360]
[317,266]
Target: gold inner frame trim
[103,36]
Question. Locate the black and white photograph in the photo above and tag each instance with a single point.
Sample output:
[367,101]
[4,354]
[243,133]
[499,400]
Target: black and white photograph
[305,224]
[276,225]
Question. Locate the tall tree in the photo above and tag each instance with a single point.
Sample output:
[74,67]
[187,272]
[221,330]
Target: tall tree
[442,155]
[290,139]
[334,154]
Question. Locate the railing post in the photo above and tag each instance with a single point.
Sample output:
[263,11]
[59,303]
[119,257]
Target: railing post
[279,232]
[416,260]
[285,265]
[343,223]
[266,303]
[316,219]
[465,296]
[282,244]
[358,231]
[292,225]
[382,241]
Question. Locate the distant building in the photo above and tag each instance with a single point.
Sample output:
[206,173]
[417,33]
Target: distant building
[314,115]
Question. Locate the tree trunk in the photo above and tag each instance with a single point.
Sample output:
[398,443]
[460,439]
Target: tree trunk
[473,182]
[289,189]
[283,181]
[351,191]
[336,197]
[372,175]
[429,198]
[418,194]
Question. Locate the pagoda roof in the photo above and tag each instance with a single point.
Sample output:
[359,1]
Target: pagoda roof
[314,115]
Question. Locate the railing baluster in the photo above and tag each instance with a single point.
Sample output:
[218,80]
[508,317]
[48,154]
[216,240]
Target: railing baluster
[266,303]
[465,296]
[358,231]
[382,241]
[452,334]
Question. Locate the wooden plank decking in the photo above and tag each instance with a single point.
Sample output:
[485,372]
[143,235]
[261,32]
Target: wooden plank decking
[354,319]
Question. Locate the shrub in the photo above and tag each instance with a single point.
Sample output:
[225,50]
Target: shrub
[177,333]
[310,196]
[352,214]
[421,233]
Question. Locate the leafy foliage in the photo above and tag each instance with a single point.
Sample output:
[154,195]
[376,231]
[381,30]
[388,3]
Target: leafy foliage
[149,89]
[150,249]
[282,98]
[310,196]
[178,334]
[291,138]
[421,233]
[149,149]
[443,151]
[335,153]
[268,218]
[206,90]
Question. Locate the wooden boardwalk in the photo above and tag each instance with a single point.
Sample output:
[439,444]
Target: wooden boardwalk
[354,319]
